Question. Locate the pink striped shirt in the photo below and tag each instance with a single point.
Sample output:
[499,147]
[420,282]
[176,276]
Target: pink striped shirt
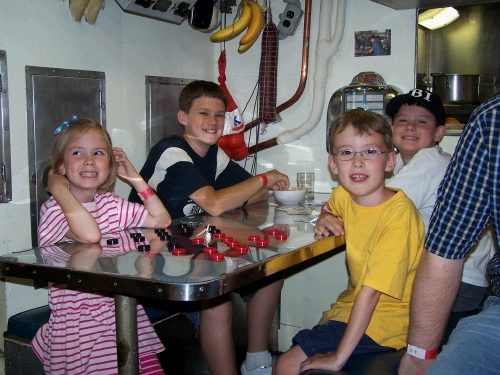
[80,337]
[111,212]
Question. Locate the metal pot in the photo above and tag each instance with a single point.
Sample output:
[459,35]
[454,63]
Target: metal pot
[456,88]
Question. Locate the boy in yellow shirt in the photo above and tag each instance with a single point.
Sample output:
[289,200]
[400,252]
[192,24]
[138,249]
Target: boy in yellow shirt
[384,240]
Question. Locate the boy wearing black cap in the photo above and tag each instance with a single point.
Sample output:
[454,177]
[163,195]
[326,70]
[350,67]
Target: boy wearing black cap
[418,120]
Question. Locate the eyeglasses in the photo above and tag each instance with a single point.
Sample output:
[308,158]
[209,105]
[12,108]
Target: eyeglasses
[370,154]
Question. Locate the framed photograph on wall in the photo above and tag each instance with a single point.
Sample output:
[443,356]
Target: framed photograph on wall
[372,43]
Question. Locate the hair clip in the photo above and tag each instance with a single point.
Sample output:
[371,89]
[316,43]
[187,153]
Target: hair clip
[65,124]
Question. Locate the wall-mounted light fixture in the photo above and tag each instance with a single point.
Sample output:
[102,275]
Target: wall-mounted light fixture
[436,18]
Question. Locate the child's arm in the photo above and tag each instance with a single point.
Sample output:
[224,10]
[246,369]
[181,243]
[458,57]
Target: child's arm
[360,317]
[328,223]
[158,216]
[83,256]
[253,190]
[82,226]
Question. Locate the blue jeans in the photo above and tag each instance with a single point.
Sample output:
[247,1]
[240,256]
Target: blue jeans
[474,345]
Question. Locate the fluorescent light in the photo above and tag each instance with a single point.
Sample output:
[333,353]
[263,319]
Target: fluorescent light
[436,18]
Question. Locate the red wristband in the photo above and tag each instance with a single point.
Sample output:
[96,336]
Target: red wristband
[265,180]
[148,193]
[422,353]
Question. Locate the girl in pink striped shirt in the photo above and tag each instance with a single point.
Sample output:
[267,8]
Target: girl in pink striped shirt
[81,208]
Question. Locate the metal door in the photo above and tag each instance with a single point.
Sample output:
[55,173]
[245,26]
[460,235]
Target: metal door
[53,96]
[162,105]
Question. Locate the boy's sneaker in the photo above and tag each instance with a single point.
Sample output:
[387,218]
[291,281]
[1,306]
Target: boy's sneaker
[261,370]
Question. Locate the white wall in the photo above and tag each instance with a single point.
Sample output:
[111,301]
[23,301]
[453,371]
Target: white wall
[128,47]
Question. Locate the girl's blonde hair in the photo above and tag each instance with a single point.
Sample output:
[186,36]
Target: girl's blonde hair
[78,128]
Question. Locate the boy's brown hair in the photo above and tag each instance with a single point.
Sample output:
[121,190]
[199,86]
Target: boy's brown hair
[197,89]
[363,122]
[75,129]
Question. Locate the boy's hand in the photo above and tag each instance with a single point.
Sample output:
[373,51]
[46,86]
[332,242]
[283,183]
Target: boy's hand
[125,168]
[328,224]
[328,361]
[277,179]
[55,180]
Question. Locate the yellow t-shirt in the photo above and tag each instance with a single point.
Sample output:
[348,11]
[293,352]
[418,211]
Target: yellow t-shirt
[383,247]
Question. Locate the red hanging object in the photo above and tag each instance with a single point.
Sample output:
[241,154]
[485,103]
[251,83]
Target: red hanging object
[232,140]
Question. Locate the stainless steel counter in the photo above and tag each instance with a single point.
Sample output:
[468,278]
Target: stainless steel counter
[169,266]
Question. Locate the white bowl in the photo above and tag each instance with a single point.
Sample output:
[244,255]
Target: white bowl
[290,196]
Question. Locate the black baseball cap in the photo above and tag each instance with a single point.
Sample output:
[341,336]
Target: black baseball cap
[430,101]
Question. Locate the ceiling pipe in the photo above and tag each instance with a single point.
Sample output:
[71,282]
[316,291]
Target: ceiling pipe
[305,62]
[326,48]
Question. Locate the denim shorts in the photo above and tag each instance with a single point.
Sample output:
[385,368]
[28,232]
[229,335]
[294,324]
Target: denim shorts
[325,338]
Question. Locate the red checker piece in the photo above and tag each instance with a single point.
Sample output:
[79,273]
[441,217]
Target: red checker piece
[232,243]
[262,243]
[253,238]
[227,239]
[241,249]
[178,251]
[281,236]
[219,236]
[197,241]
[217,257]
[209,250]
[273,232]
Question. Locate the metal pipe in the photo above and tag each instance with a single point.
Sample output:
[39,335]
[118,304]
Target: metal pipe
[303,76]
[263,145]
[126,334]
[326,48]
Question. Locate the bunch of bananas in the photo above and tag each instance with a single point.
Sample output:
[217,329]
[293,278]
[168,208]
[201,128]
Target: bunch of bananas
[251,18]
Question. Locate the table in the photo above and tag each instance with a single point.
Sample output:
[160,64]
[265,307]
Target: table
[168,265]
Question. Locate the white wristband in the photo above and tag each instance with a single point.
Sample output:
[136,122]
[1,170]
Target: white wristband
[421,353]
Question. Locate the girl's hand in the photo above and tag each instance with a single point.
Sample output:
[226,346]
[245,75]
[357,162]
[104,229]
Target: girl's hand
[125,168]
[54,180]
[329,224]
[328,361]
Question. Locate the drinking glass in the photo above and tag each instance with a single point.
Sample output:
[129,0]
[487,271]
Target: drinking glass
[306,180]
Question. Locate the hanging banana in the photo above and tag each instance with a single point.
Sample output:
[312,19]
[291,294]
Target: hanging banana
[254,28]
[245,47]
[237,27]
